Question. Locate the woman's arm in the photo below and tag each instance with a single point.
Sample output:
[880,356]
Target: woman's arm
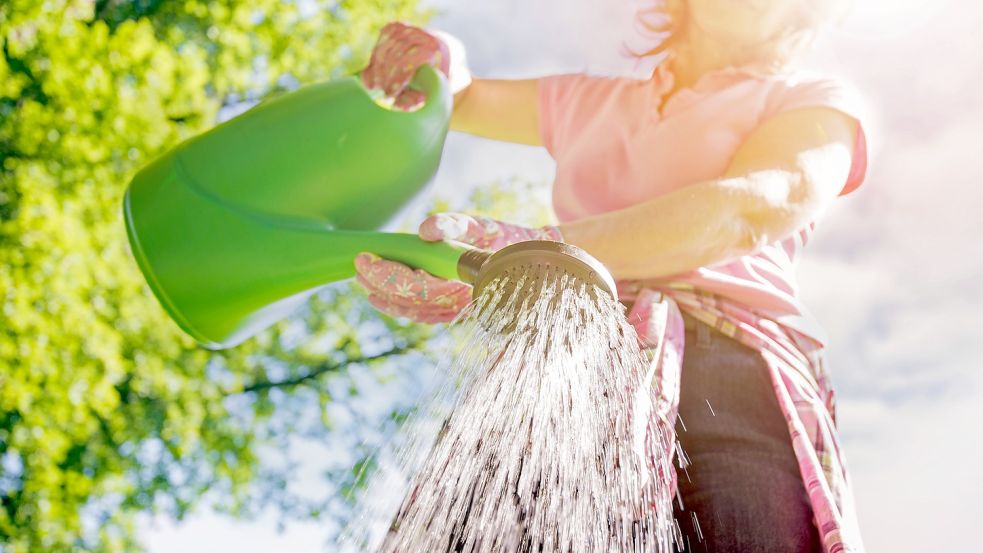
[506,110]
[783,177]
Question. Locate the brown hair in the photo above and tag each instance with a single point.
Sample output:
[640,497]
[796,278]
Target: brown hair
[664,20]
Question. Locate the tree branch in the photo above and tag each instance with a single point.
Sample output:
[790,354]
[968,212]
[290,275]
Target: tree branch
[322,369]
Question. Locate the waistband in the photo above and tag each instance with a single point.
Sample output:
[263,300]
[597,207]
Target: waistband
[689,322]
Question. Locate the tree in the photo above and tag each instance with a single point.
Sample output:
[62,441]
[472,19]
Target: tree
[106,408]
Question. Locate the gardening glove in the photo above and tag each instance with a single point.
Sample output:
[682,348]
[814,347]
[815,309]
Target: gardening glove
[482,232]
[401,50]
[400,291]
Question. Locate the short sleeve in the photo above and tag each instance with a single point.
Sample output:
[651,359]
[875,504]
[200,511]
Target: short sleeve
[841,96]
[568,104]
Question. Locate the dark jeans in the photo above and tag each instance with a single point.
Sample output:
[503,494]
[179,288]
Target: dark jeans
[742,491]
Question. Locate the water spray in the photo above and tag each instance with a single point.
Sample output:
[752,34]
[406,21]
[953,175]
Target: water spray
[537,441]
[533,265]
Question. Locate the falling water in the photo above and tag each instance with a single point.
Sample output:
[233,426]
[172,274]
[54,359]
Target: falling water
[540,442]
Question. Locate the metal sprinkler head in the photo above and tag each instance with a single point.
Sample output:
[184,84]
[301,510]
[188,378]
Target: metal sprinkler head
[533,258]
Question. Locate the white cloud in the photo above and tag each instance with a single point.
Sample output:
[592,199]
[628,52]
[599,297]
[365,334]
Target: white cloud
[916,471]
[512,38]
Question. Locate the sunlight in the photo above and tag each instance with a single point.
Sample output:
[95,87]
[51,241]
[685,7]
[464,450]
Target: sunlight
[891,19]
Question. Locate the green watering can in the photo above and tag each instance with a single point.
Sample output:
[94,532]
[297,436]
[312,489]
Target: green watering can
[237,227]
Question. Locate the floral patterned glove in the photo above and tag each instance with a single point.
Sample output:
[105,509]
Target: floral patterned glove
[400,291]
[401,50]
[482,232]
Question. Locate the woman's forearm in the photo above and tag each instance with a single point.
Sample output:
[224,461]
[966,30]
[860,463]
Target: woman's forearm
[785,175]
[506,110]
[700,225]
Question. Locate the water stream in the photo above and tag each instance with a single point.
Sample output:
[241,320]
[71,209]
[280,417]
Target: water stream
[540,441]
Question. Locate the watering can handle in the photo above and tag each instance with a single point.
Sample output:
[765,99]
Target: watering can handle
[434,85]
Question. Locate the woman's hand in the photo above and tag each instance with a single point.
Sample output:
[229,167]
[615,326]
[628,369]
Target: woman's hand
[401,291]
[482,232]
[401,50]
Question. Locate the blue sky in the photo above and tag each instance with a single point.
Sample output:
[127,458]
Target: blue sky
[894,272]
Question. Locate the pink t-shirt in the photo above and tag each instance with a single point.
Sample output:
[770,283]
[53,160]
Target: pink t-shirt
[614,148]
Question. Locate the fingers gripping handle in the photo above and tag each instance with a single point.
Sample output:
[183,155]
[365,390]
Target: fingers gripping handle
[433,84]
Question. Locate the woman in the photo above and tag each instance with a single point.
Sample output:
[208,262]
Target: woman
[696,188]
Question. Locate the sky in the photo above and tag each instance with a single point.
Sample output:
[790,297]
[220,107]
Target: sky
[893,273]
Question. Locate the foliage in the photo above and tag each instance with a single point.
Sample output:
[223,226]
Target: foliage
[106,408]
[514,199]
